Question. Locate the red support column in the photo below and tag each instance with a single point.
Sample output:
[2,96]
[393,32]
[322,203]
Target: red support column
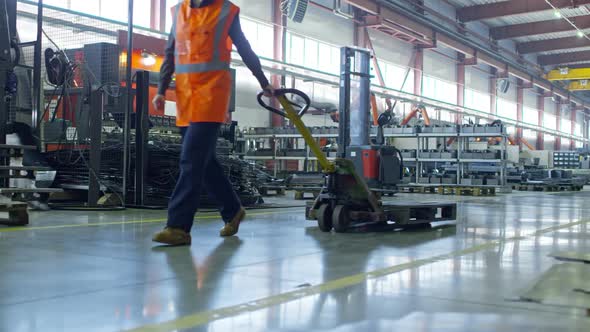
[279,26]
[541,109]
[519,112]
[460,89]
[155,14]
[360,32]
[557,146]
[493,92]
[573,118]
[418,70]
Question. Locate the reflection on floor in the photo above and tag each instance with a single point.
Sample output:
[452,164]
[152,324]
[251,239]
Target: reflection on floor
[100,272]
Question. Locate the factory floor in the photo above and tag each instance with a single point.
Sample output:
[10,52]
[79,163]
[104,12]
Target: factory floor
[99,271]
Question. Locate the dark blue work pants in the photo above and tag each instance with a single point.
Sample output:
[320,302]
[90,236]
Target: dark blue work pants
[199,166]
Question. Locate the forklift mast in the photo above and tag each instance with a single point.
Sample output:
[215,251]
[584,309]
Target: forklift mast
[355,94]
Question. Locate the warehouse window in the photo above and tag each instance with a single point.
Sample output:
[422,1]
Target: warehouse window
[169,5]
[296,50]
[118,15]
[104,8]
[394,76]
[477,100]
[578,130]
[312,54]
[530,115]
[259,35]
[447,116]
[549,121]
[511,130]
[506,109]
[566,126]
[548,139]
[87,7]
[329,61]
[438,89]
[529,134]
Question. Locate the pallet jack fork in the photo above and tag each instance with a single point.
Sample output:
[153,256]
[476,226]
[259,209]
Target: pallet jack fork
[345,200]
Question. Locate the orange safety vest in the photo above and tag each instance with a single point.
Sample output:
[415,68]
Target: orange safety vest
[202,61]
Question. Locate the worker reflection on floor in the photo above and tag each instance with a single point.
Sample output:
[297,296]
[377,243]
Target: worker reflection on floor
[203,89]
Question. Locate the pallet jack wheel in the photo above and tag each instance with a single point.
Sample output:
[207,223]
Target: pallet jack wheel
[324,216]
[340,218]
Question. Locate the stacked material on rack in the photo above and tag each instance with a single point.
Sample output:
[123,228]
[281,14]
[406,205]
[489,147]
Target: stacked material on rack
[163,161]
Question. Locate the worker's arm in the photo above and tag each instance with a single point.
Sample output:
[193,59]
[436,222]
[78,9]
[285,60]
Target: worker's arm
[246,53]
[168,66]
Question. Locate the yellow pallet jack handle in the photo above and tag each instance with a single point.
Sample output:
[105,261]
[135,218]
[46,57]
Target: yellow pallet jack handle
[290,113]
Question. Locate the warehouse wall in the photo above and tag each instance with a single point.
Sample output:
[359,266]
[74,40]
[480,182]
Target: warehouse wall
[440,63]
[477,78]
[530,98]
[443,66]
[259,9]
[392,50]
[325,26]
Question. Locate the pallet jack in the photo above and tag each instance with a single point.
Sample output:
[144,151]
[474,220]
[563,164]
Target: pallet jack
[346,201]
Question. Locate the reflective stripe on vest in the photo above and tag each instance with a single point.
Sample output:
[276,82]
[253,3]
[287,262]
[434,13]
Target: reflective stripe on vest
[215,64]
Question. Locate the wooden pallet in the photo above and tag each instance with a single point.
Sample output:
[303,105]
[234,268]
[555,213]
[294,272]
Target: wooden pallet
[449,190]
[467,191]
[417,189]
[17,214]
[547,188]
[300,194]
[278,190]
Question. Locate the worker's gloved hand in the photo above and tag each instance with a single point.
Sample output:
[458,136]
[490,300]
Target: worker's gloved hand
[268,91]
[159,101]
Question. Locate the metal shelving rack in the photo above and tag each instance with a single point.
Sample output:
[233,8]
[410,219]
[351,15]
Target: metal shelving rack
[463,140]
[273,140]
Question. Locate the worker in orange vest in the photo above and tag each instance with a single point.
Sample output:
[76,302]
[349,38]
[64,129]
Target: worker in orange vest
[199,52]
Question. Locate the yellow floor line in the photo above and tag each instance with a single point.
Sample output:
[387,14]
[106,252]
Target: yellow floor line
[99,224]
[201,318]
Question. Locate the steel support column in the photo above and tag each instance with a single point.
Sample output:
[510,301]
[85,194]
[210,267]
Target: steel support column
[493,92]
[418,70]
[460,88]
[360,31]
[519,113]
[541,109]
[573,118]
[155,14]
[557,145]
[279,31]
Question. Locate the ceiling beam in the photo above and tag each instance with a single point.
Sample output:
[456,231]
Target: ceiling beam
[538,28]
[389,12]
[568,74]
[552,45]
[511,7]
[563,58]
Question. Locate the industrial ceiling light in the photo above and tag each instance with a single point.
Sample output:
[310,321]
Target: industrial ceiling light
[557,13]
[294,9]
[580,34]
[148,59]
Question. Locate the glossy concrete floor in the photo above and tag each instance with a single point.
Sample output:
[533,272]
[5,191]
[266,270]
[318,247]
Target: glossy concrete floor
[99,271]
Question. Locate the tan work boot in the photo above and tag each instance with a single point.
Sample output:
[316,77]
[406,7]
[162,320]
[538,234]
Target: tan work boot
[173,237]
[231,228]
